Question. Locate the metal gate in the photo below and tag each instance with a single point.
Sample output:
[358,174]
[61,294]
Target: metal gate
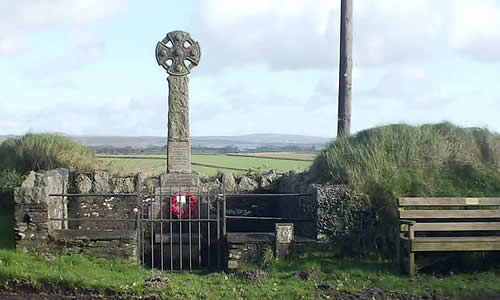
[182,229]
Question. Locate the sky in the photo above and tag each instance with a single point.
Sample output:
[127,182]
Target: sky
[88,67]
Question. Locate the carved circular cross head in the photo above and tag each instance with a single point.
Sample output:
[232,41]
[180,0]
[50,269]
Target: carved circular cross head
[178,53]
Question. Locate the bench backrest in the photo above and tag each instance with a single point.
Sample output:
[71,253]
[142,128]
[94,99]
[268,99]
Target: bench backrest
[450,214]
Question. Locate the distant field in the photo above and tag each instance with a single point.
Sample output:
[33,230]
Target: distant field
[156,164]
[306,156]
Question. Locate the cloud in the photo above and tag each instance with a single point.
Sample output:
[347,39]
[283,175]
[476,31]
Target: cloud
[121,115]
[285,35]
[84,52]
[411,86]
[475,31]
[295,35]
[20,20]
[394,32]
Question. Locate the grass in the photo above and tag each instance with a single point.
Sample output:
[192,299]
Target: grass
[44,152]
[352,274]
[383,163]
[122,165]
[74,271]
[429,160]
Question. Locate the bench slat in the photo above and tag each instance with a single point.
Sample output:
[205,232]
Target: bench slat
[456,244]
[444,201]
[449,214]
[461,226]
[456,239]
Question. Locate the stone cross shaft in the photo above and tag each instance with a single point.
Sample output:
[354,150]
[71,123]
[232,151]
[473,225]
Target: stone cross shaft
[178,54]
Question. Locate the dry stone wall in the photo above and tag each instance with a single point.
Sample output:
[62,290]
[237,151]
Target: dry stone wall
[33,208]
[106,224]
[97,232]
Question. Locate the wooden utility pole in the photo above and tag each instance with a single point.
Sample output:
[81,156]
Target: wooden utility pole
[345,69]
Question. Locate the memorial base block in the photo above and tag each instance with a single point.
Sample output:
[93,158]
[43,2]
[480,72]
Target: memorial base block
[177,181]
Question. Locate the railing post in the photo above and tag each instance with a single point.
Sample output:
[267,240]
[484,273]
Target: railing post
[223,210]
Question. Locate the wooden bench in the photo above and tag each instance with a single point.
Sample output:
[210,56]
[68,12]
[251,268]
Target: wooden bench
[446,224]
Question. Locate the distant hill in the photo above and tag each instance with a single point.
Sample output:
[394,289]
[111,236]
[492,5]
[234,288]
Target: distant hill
[245,141]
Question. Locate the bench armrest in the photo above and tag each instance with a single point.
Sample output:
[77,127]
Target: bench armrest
[409,222]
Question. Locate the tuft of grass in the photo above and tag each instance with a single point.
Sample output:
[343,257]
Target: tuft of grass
[383,163]
[265,257]
[44,152]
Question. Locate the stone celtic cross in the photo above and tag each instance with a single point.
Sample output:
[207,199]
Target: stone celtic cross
[179,58]
[178,54]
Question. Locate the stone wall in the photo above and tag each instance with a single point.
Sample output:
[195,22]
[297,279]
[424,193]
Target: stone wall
[107,226]
[37,233]
[33,207]
[110,208]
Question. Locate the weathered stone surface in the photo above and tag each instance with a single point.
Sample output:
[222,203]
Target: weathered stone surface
[247,184]
[175,180]
[35,195]
[33,208]
[101,182]
[183,48]
[178,109]
[139,180]
[229,182]
[271,175]
[265,184]
[213,186]
[150,184]
[284,233]
[83,184]
[178,147]
[29,182]
[179,157]
[122,184]
[284,236]
[240,254]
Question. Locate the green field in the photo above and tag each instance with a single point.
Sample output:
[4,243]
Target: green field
[151,165]
[281,155]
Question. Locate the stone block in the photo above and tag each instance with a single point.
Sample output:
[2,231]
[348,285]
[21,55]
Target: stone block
[101,182]
[229,182]
[83,184]
[179,180]
[123,184]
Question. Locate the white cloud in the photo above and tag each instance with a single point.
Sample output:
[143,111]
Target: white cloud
[475,29]
[121,115]
[283,34]
[393,32]
[20,20]
[291,35]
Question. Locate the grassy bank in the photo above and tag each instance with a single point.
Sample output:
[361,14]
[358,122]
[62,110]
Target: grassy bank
[343,274]
[44,152]
[383,163]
